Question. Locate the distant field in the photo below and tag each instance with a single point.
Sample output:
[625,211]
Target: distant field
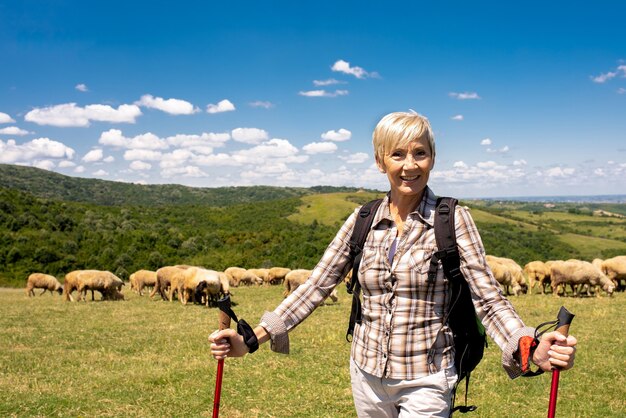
[151,359]
[330,208]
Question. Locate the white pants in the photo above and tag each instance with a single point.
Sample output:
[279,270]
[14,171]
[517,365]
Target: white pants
[429,396]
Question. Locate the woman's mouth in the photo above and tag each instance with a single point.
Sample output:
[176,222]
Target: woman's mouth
[408,178]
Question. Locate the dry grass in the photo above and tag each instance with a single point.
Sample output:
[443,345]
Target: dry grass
[150,358]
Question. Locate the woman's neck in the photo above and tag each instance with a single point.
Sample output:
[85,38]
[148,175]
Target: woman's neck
[402,205]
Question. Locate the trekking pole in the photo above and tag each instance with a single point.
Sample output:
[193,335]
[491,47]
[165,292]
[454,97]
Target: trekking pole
[224,323]
[564,319]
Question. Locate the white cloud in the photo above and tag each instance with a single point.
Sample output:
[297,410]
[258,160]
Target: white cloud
[323,93]
[320,148]
[13,130]
[604,77]
[4,118]
[259,103]
[274,148]
[559,172]
[11,152]
[188,171]
[459,164]
[148,140]
[140,165]
[518,163]
[502,150]
[457,117]
[621,90]
[44,164]
[356,158]
[249,135]
[203,143]
[599,172]
[100,173]
[345,67]
[327,82]
[79,169]
[70,115]
[222,106]
[176,158]
[93,156]
[486,141]
[67,164]
[81,87]
[338,136]
[465,95]
[142,154]
[109,159]
[171,106]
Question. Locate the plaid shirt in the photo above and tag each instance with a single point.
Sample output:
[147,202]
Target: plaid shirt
[402,313]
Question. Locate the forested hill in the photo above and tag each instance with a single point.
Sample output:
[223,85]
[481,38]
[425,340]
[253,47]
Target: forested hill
[51,185]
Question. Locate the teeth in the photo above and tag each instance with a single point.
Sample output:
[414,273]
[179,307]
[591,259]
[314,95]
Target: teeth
[408,178]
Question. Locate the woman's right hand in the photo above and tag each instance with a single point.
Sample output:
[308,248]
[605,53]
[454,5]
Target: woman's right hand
[227,343]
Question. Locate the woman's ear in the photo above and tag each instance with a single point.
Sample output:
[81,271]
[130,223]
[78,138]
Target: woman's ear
[381,166]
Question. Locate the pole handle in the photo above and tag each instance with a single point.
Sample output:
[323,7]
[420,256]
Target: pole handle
[565,319]
[223,317]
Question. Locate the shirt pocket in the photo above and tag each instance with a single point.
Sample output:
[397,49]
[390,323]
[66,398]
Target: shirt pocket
[419,258]
[372,263]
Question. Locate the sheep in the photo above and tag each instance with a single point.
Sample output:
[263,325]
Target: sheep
[504,274]
[177,280]
[537,272]
[201,284]
[276,275]
[234,275]
[577,272]
[105,282]
[71,284]
[163,280]
[295,278]
[517,273]
[141,279]
[42,281]
[224,284]
[615,269]
[262,274]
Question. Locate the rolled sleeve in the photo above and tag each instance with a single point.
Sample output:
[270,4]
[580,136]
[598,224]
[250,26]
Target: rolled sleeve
[275,326]
[509,361]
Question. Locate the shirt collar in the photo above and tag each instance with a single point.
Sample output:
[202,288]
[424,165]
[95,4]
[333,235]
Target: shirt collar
[425,210]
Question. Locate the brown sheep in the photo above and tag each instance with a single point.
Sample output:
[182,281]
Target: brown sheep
[43,281]
[615,269]
[537,272]
[262,274]
[202,284]
[105,282]
[577,272]
[163,280]
[141,279]
[295,278]
[71,284]
[277,275]
[503,274]
[234,275]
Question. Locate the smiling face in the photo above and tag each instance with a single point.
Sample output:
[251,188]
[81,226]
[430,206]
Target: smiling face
[408,168]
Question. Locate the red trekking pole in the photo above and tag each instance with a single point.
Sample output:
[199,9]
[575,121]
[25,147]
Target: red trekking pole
[224,323]
[564,319]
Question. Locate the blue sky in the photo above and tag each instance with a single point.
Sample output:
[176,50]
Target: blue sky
[526,99]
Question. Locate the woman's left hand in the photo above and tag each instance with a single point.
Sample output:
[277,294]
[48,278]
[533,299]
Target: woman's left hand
[555,350]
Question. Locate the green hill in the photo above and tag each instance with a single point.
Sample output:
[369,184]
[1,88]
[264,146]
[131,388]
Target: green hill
[54,224]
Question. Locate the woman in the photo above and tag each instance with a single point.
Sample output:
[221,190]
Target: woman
[392,374]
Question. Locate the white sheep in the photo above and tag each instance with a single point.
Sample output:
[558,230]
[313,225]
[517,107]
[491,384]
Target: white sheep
[615,269]
[202,285]
[43,281]
[295,278]
[505,274]
[577,272]
[142,278]
[234,275]
[539,273]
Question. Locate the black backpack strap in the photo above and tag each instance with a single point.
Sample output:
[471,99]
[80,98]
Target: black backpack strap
[362,227]
[445,237]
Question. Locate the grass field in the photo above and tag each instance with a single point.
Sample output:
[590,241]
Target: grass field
[150,358]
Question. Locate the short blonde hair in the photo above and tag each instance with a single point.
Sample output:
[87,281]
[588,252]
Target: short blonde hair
[399,129]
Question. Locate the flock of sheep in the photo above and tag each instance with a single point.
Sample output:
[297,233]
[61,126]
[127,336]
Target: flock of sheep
[200,285]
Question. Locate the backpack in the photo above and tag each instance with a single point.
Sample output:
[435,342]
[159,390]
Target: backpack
[468,332]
